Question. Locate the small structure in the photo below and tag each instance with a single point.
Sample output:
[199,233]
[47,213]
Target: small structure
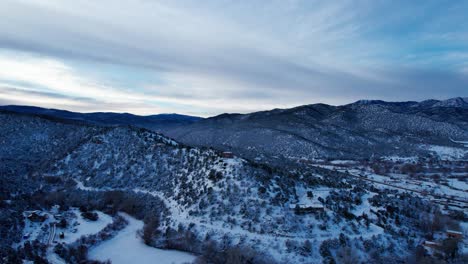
[62,235]
[227,155]
[307,208]
[36,216]
[454,234]
[97,141]
[431,244]
[58,216]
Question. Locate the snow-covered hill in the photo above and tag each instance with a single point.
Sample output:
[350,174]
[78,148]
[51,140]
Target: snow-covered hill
[217,206]
[359,130]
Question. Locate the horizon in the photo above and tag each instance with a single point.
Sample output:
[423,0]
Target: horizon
[229,113]
[205,59]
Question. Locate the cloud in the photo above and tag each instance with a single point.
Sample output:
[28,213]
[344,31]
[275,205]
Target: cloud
[47,82]
[230,56]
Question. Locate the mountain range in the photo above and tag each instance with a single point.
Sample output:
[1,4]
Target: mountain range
[256,206]
[107,118]
[359,130]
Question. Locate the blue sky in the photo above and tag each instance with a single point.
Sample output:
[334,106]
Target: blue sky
[210,57]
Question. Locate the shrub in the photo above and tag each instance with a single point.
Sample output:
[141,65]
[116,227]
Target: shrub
[92,216]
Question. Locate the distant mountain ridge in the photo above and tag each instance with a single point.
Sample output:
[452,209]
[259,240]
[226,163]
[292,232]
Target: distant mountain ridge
[153,122]
[358,130]
[363,129]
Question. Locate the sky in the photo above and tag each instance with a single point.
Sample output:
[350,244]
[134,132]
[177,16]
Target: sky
[214,56]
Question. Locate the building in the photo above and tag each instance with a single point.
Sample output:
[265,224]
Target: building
[432,244]
[307,208]
[227,155]
[58,216]
[305,161]
[454,234]
[36,216]
[97,141]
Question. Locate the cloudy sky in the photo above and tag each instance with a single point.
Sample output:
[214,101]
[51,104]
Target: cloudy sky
[209,57]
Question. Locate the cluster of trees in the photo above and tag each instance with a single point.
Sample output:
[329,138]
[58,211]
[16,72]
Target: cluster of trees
[410,213]
[447,252]
[150,229]
[209,250]
[138,205]
[32,251]
[344,200]
[90,215]
[78,251]
[376,249]
[417,168]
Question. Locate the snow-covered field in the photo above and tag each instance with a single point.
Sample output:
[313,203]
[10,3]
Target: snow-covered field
[448,153]
[127,247]
[78,227]
[85,227]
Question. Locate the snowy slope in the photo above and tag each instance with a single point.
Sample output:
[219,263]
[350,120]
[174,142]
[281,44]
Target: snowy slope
[127,247]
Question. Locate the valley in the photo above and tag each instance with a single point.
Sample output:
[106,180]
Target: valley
[163,199]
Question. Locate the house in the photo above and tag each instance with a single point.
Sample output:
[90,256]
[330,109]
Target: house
[432,244]
[307,208]
[97,141]
[227,155]
[36,216]
[454,234]
[305,161]
[58,216]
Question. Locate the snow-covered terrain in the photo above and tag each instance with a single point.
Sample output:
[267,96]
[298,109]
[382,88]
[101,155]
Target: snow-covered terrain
[217,205]
[128,247]
[84,227]
[76,228]
[449,152]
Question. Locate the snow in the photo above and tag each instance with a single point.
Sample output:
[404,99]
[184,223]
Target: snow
[80,186]
[465,143]
[85,227]
[365,207]
[48,233]
[401,159]
[448,152]
[127,247]
[455,183]
[304,201]
[343,162]
[78,227]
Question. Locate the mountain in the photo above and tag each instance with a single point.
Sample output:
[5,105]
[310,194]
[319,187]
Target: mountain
[454,102]
[366,128]
[154,122]
[197,199]
[358,130]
